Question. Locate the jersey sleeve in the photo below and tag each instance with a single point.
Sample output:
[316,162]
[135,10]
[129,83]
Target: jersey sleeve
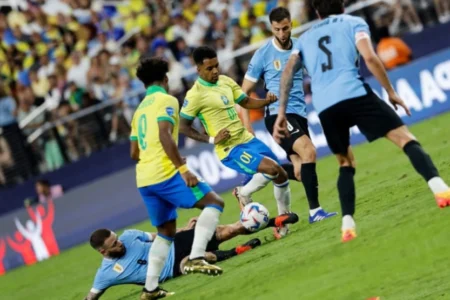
[191,106]
[297,47]
[101,282]
[133,234]
[133,134]
[167,110]
[360,29]
[238,93]
[255,68]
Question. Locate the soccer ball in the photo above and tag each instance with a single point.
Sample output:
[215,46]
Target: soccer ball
[254,216]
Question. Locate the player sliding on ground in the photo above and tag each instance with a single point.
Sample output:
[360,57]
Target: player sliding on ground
[268,63]
[212,99]
[330,51]
[163,179]
[126,257]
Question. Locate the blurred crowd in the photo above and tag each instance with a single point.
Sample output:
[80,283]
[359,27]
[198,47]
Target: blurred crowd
[58,57]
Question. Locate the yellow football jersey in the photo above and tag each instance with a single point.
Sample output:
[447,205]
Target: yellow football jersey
[154,165]
[214,105]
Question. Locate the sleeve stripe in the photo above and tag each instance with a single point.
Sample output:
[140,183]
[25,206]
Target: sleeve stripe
[240,98]
[95,291]
[361,36]
[186,116]
[133,138]
[168,119]
[295,52]
[250,78]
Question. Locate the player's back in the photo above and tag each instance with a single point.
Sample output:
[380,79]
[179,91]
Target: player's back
[328,51]
[154,165]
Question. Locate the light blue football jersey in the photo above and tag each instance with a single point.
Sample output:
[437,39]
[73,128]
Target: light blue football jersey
[132,267]
[268,63]
[328,51]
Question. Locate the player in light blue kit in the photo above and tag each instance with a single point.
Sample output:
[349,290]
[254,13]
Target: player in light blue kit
[330,52]
[268,63]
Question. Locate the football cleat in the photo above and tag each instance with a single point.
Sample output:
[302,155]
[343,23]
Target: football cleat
[348,235]
[242,200]
[248,246]
[201,266]
[158,293]
[321,215]
[443,199]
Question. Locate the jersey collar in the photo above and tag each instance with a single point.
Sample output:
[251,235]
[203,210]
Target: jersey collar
[205,83]
[154,89]
[281,49]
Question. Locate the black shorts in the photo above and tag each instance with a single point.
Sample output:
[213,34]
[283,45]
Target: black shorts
[374,118]
[297,126]
[183,245]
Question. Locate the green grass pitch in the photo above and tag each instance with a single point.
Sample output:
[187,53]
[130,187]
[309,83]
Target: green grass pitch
[402,251]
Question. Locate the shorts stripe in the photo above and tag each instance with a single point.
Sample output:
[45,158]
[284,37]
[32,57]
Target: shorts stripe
[198,193]
[244,167]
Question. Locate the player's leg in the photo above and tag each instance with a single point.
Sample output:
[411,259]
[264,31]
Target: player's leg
[163,216]
[336,122]
[421,162]
[293,169]
[202,197]
[382,121]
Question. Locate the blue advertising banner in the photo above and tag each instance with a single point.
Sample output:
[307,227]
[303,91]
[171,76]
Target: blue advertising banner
[34,234]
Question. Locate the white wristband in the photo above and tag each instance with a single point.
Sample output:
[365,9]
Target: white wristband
[211,140]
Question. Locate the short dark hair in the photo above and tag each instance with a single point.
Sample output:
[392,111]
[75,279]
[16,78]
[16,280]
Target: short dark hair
[279,14]
[202,53]
[43,182]
[151,69]
[328,7]
[98,238]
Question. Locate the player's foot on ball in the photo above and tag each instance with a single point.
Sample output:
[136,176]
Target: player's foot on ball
[348,235]
[157,293]
[242,200]
[443,199]
[201,266]
[321,215]
[252,244]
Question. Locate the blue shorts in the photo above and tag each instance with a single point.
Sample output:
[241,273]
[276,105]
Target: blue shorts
[163,199]
[245,158]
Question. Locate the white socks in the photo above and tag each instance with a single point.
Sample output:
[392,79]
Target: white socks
[204,229]
[255,184]
[156,259]
[312,212]
[348,222]
[437,185]
[282,194]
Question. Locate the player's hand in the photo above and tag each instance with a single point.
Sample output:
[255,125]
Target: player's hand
[190,179]
[271,98]
[397,101]
[280,129]
[223,135]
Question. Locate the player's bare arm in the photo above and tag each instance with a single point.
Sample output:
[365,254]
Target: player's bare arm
[171,149]
[280,128]
[187,129]
[93,296]
[134,150]
[376,67]
[252,103]
[247,87]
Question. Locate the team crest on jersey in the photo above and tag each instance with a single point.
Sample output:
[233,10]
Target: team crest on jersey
[118,268]
[277,64]
[185,103]
[169,111]
[225,100]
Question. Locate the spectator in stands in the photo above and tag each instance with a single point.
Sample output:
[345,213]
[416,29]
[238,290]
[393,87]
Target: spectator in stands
[45,192]
[7,107]
[53,96]
[442,10]
[26,107]
[6,160]
[393,51]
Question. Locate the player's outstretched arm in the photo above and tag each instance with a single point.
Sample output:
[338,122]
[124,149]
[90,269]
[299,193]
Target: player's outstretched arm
[93,296]
[376,67]
[286,82]
[252,103]
[247,87]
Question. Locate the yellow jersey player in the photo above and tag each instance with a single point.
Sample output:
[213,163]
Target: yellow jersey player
[212,99]
[164,180]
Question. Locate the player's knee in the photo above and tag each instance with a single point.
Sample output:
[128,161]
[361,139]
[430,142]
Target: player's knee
[282,175]
[309,154]
[400,136]
[345,160]
[273,170]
